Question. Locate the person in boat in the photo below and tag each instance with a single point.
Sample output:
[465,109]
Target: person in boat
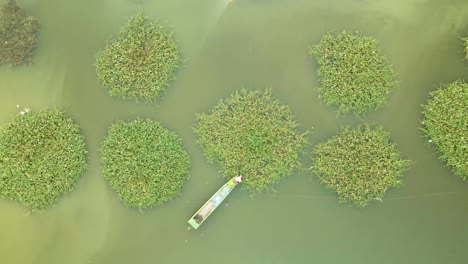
[238,179]
[198,218]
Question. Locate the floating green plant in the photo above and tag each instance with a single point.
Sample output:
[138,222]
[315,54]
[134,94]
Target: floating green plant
[141,62]
[144,162]
[354,74]
[251,134]
[359,164]
[445,123]
[17,35]
[465,40]
[41,157]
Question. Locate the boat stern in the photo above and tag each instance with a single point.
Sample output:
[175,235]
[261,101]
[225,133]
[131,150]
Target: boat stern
[193,223]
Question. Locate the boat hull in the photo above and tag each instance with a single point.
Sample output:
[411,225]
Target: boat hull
[208,208]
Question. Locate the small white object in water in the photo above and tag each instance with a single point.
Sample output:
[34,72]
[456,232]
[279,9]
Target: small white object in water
[17,106]
[27,110]
[22,112]
[430,140]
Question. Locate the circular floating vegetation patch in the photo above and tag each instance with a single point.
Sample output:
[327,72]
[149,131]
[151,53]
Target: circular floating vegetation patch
[251,134]
[144,162]
[354,74]
[465,40]
[141,62]
[445,123]
[17,35]
[41,157]
[359,164]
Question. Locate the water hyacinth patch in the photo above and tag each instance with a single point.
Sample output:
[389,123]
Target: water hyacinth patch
[465,40]
[445,124]
[252,134]
[353,73]
[359,164]
[41,157]
[144,162]
[17,35]
[140,62]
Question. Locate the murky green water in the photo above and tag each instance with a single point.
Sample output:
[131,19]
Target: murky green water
[254,44]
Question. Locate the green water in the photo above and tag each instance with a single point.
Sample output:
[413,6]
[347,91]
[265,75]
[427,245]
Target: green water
[253,44]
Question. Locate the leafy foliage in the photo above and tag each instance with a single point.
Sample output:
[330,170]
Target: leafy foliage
[354,74]
[251,134]
[445,123]
[141,62]
[17,35]
[41,157]
[359,164]
[465,40]
[144,162]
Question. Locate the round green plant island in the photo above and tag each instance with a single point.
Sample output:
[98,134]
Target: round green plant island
[17,35]
[42,156]
[465,42]
[141,62]
[359,164]
[144,162]
[445,124]
[353,73]
[251,134]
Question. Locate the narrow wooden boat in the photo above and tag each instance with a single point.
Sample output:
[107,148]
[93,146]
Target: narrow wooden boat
[202,214]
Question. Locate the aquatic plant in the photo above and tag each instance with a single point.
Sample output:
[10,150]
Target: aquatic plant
[353,73]
[144,162]
[445,124]
[141,62]
[252,134]
[465,40]
[17,35]
[359,164]
[41,157]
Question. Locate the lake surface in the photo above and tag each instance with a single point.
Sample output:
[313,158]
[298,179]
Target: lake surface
[226,46]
